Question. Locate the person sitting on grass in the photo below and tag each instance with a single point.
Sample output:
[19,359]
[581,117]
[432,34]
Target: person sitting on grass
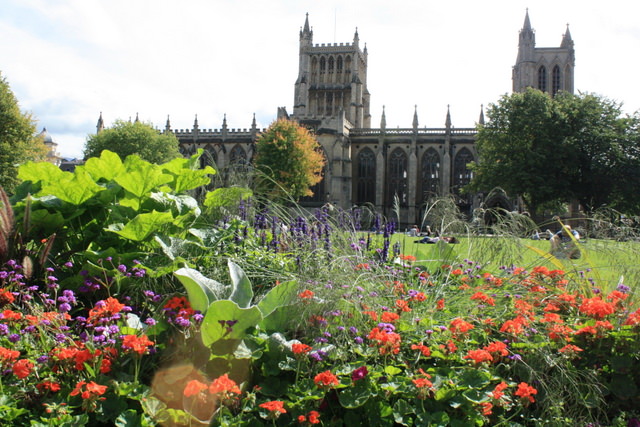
[563,243]
[433,240]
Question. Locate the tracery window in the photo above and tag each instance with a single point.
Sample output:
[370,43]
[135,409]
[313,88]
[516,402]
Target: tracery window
[461,173]
[542,78]
[397,184]
[555,80]
[430,174]
[237,156]
[366,177]
[209,157]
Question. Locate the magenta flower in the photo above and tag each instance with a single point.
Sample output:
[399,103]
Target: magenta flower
[359,373]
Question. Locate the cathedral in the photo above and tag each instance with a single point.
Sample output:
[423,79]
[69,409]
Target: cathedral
[378,166]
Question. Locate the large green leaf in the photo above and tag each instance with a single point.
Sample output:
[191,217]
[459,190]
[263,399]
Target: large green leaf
[356,395]
[141,177]
[215,326]
[143,225]
[278,296]
[40,171]
[107,166]
[241,289]
[201,290]
[74,188]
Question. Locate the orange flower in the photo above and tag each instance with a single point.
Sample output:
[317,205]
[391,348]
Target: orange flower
[193,388]
[497,392]
[409,258]
[514,326]
[440,304]
[48,385]
[299,348]
[8,315]
[422,383]
[314,417]
[105,308]
[486,408]
[372,314]
[570,348]
[389,317]
[224,385]
[91,389]
[6,297]
[596,307]
[456,272]
[402,305]
[525,391]
[460,326]
[480,296]
[306,294]
[326,378]
[363,266]
[8,356]
[22,368]
[479,356]
[138,344]
[633,319]
[276,406]
[388,341]
[426,352]
[497,347]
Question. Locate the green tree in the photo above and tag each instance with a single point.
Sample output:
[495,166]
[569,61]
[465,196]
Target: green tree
[551,150]
[125,138]
[18,140]
[520,149]
[290,158]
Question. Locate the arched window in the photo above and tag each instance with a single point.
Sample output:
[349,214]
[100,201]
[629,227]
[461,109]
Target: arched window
[397,173]
[461,172]
[237,156]
[323,68]
[347,69]
[366,177]
[542,78]
[314,70]
[339,65]
[209,157]
[430,174]
[555,80]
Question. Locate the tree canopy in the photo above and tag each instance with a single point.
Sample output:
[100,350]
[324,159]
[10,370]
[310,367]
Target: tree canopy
[18,140]
[290,158]
[550,150]
[125,138]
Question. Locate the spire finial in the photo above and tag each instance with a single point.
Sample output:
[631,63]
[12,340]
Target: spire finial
[383,120]
[415,117]
[447,122]
[481,119]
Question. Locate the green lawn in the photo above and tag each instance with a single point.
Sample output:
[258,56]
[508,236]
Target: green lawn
[605,261]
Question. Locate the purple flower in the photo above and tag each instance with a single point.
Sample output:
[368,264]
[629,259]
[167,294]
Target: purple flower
[358,340]
[150,321]
[359,373]
[14,338]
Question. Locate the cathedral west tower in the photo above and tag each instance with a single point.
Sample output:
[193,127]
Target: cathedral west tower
[549,69]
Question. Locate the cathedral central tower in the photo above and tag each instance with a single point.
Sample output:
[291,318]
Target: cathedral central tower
[332,80]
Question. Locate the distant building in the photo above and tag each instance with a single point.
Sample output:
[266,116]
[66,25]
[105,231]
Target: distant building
[377,166]
[52,155]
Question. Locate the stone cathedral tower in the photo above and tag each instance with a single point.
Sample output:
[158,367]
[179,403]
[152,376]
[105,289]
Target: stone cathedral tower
[549,69]
[332,78]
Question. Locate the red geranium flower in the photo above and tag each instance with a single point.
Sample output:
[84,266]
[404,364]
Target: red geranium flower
[276,406]
[326,378]
[139,344]
[193,388]
[525,391]
[22,368]
[299,348]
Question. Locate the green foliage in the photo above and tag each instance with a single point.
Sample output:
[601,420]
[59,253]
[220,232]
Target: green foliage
[290,158]
[140,139]
[110,205]
[17,141]
[551,150]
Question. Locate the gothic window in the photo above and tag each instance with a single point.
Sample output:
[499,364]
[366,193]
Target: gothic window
[555,80]
[461,172]
[398,180]
[339,65]
[209,157]
[331,64]
[323,68]
[314,70]
[542,78]
[329,106]
[366,177]
[347,69]
[430,174]
[237,156]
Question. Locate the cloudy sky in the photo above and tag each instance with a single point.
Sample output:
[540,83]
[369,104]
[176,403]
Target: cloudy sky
[68,60]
